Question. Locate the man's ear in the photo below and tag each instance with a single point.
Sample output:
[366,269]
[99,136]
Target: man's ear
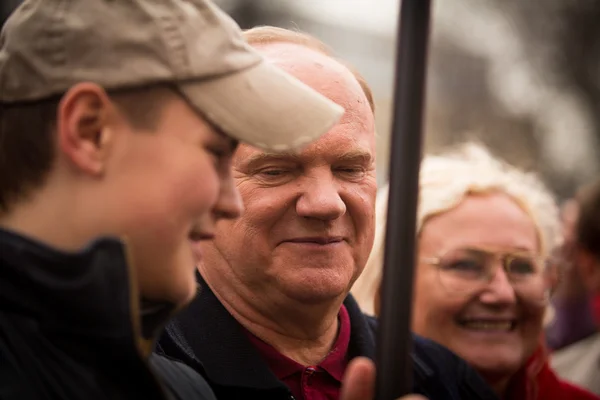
[83,127]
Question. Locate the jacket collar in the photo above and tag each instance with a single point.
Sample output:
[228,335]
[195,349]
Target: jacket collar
[535,378]
[88,293]
[215,342]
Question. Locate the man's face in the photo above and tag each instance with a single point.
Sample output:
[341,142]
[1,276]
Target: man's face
[163,189]
[308,224]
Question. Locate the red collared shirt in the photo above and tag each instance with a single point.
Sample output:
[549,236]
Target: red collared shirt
[315,382]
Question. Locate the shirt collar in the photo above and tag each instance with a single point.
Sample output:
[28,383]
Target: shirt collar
[334,363]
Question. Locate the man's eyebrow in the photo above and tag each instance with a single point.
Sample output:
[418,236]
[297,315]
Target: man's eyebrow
[361,156]
[261,158]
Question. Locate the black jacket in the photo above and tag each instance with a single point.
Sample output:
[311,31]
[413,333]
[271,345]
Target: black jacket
[207,338]
[68,328]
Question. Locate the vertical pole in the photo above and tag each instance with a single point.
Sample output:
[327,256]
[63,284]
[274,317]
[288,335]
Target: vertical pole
[394,372]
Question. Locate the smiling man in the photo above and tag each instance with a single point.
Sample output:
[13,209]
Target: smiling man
[275,320]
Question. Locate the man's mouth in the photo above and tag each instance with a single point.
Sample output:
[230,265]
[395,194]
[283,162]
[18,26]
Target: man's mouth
[320,240]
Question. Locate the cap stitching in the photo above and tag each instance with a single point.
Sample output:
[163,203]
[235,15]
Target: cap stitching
[175,43]
[54,39]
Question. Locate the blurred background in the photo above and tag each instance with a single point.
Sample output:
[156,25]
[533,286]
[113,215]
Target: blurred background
[523,77]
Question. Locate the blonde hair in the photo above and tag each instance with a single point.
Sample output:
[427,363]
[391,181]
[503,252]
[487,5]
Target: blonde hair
[261,35]
[445,180]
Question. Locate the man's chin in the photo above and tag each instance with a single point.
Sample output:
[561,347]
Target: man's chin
[314,293]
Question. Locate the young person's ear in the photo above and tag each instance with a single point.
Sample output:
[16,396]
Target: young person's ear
[83,127]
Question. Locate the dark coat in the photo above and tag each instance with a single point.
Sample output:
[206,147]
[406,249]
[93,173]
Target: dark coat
[68,329]
[207,338]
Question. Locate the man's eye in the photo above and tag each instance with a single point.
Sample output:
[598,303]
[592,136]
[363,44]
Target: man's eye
[352,172]
[272,172]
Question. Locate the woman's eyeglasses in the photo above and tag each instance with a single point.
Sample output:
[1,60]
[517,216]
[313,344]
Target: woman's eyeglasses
[467,270]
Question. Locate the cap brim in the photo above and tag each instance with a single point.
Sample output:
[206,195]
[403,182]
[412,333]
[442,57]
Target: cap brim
[264,107]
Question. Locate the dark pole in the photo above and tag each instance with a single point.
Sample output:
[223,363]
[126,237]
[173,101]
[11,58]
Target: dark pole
[394,371]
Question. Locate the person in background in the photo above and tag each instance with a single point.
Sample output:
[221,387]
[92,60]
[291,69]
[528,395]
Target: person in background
[275,320]
[574,317]
[580,362]
[485,230]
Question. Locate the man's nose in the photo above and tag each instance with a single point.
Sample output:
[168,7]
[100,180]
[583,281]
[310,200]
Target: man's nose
[320,198]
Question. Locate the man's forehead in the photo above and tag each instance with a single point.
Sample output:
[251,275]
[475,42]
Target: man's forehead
[356,130]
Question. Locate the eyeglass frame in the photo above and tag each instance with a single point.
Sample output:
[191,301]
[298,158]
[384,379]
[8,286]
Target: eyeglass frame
[503,257]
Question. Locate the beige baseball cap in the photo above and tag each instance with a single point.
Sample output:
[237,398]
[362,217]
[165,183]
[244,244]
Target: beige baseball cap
[47,46]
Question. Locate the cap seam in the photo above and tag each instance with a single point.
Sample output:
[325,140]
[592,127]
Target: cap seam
[54,35]
[172,38]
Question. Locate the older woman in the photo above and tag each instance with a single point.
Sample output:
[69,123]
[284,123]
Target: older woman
[485,230]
